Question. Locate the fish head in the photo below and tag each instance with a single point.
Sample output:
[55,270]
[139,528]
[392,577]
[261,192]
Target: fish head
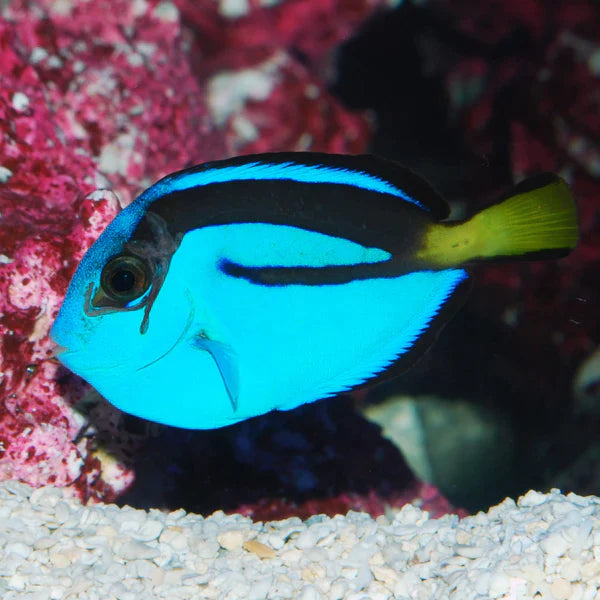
[123,311]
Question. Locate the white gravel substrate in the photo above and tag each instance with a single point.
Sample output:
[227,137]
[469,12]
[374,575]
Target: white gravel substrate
[52,547]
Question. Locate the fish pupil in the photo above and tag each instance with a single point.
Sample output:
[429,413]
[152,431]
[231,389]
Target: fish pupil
[123,281]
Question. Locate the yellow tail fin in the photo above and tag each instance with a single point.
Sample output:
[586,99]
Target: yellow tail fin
[538,218]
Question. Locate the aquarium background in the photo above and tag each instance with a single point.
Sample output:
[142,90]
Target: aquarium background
[112,95]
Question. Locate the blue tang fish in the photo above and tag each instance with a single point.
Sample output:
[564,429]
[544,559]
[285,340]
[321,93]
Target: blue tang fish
[264,282]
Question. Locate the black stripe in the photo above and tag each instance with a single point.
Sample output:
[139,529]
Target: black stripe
[368,218]
[314,276]
[399,176]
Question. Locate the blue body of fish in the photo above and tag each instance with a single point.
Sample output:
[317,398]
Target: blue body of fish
[258,283]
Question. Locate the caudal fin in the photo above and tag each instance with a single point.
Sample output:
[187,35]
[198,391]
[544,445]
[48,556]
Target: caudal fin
[537,220]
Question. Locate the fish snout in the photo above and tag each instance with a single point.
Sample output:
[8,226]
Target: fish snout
[58,350]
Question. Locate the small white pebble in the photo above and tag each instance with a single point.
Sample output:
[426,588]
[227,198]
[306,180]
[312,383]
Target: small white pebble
[131,550]
[560,589]
[532,498]
[180,542]
[148,531]
[231,540]
[313,573]
[499,585]
[309,592]
[17,582]
[205,549]
[62,511]
[307,539]
[469,551]
[261,550]
[44,542]
[18,548]
[385,574]
[482,582]
[570,570]
[59,559]
[337,591]
[554,544]
[590,569]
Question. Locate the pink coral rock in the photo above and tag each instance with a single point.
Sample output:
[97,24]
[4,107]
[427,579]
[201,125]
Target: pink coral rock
[273,95]
[92,95]
[425,496]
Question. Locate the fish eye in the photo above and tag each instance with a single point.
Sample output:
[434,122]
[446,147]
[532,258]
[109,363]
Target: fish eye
[125,278]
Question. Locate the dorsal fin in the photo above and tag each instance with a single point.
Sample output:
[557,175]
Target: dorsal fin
[363,171]
[397,175]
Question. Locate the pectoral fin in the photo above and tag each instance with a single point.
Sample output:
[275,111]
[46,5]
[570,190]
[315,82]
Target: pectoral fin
[226,361]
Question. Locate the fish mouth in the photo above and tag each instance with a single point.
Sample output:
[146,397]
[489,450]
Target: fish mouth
[58,350]
[64,354]
[183,333]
